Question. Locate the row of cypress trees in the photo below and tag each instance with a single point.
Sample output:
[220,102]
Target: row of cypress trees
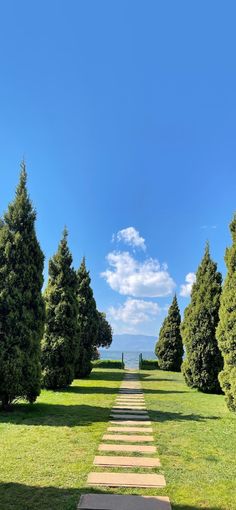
[44,340]
[208,330]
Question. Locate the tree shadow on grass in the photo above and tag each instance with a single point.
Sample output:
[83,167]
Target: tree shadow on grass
[147,378]
[163,416]
[16,496]
[50,415]
[86,390]
[106,390]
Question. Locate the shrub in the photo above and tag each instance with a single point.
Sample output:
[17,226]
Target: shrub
[108,363]
[149,364]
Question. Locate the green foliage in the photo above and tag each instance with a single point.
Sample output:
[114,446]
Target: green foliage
[169,348]
[60,341]
[149,364]
[104,334]
[226,331]
[203,358]
[88,322]
[108,363]
[21,302]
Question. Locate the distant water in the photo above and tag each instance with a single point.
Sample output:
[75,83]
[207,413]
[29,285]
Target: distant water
[131,358]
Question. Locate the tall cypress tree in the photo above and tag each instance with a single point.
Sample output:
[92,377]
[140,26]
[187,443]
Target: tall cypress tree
[104,335]
[169,348]
[88,322]
[203,358]
[226,331]
[21,302]
[60,340]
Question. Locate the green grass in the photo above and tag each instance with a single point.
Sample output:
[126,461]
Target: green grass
[47,450]
[196,440]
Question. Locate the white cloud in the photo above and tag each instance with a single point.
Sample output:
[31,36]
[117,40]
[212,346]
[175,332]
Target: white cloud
[186,288]
[130,277]
[134,311]
[131,237]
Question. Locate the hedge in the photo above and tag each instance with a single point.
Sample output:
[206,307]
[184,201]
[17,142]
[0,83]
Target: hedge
[108,363]
[149,364]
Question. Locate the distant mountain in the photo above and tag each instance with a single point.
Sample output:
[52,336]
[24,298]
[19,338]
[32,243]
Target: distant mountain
[128,342]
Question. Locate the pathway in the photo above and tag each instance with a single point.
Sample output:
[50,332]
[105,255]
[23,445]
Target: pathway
[130,423]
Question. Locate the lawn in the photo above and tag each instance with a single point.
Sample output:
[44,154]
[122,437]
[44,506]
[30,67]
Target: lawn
[196,439]
[47,449]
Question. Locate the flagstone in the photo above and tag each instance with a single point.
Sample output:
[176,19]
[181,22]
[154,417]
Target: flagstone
[130,422]
[129,480]
[120,502]
[130,407]
[124,416]
[130,397]
[127,448]
[132,438]
[110,460]
[129,429]
[129,410]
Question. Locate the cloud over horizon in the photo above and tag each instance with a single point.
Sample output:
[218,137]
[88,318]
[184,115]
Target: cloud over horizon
[132,313]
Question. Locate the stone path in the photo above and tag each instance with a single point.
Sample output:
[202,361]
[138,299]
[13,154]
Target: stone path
[128,417]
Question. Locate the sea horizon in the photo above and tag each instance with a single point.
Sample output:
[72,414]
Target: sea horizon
[131,357]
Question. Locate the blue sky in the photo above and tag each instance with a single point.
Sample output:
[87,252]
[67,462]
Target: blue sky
[125,112]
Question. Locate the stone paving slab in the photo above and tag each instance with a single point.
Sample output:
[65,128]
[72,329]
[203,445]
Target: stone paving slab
[133,393]
[131,404]
[129,480]
[124,416]
[130,390]
[129,400]
[119,502]
[127,448]
[129,410]
[130,422]
[129,407]
[138,398]
[112,461]
[129,429]
[129,438]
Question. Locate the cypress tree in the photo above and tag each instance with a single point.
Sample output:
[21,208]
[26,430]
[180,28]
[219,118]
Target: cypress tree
[104,334]
[226,331]
[21,301]
[169,348]
[203,358]
[60,340]
[88,322]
